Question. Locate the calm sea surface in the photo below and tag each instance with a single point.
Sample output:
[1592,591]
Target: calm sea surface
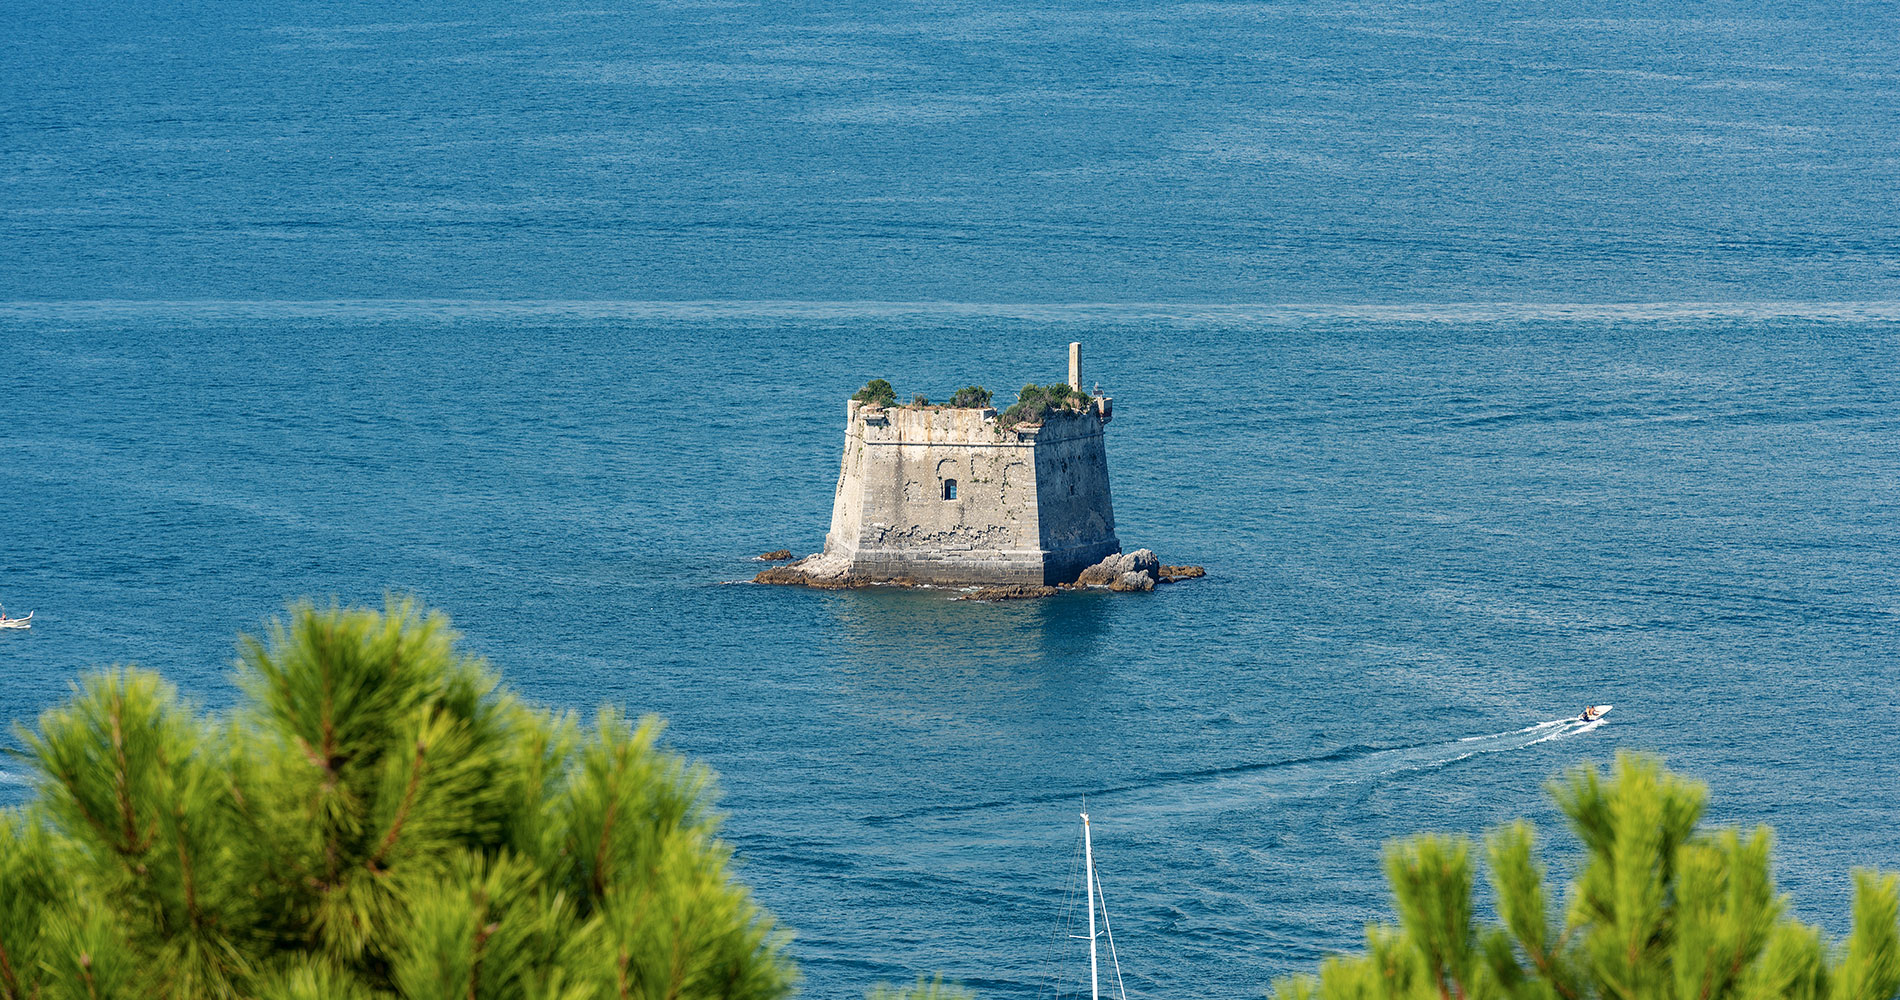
[546,315]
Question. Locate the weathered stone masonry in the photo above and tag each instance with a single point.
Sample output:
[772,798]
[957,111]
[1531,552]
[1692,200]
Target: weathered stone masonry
[949,496]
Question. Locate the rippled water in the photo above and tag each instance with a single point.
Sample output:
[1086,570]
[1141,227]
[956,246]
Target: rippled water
[1493,362]
[1428,539]
[964,152]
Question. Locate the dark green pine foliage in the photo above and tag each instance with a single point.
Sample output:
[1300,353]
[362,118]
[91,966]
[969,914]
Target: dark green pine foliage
[1659,910]
[877,392]
[971,397]
[376,819]
[1034,403]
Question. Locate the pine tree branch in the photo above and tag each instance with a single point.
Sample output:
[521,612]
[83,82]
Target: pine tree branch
[676,971]
[7,977]
[482,933]
[328,671]
[475,964]
[607,822]
[121,780]
[600,852]
[1546,963]
[184,864]
[1736,964]
[71,781]
[331,849]
[402,812]
[184,833]
[281,860]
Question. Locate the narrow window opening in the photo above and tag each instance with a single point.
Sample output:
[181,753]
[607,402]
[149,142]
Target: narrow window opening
[949,489]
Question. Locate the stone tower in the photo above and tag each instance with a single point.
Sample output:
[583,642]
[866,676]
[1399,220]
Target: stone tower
[950,496]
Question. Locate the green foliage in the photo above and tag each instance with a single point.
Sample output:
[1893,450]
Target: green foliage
[971,397]
[877,392]
[918,401]
[376,819]
[1035,402]
[923,989]
[1658,911]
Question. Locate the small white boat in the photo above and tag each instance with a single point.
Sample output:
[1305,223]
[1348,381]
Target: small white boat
[1592,713]
[6,622]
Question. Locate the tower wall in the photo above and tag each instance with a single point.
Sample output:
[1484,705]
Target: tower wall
[1074,511]
[1031,505]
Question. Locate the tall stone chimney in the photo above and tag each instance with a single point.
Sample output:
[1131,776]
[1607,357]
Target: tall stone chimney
[1075,366]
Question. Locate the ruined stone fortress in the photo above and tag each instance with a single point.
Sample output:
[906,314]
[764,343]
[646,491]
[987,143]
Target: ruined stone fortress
[951,496]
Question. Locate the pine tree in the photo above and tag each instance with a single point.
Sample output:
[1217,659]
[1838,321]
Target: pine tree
[1659,910]
[377,818]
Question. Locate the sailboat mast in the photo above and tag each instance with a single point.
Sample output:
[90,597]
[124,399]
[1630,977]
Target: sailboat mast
[1088,881]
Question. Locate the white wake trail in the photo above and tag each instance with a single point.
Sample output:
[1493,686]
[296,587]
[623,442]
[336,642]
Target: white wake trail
[1534,727]
[1247,789]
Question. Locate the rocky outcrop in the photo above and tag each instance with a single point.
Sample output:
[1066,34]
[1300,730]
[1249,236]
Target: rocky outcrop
[1101,574]
[820,570]
[1012,592]
[1137,571]
[1140,561]
[1110,570]
[1123,572]
[777,555]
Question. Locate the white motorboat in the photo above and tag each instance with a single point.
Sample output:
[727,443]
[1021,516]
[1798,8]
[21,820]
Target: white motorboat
[6,622]
[1592,713]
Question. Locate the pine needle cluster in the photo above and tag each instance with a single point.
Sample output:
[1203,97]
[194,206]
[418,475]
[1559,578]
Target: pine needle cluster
[1659,910]
[376,818]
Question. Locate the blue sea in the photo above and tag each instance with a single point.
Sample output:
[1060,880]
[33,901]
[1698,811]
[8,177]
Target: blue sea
[1493,361]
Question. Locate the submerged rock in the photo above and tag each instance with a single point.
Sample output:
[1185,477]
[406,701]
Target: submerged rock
[1170,574]
[776,555]
[1011,592]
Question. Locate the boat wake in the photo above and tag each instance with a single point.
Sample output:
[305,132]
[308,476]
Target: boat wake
[1243,785]
[1533,728]
[1542,732]
[1322,778]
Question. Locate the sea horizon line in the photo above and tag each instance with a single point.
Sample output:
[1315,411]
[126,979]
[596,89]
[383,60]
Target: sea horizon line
[1446,311]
